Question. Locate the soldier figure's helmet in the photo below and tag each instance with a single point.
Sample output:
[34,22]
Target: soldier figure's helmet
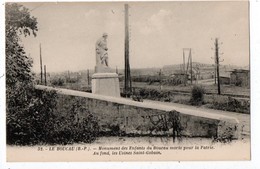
[105,35]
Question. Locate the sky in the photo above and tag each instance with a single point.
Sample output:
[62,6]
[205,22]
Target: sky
[158,33]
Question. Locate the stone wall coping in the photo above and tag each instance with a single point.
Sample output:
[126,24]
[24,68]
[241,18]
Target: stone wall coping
[124,101]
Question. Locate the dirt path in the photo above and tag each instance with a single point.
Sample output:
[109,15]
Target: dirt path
[244,119]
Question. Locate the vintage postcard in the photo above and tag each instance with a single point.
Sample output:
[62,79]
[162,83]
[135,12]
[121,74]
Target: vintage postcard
[127,81]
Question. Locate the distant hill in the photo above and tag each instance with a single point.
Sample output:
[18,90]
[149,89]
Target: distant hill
[170,69]
[206,70]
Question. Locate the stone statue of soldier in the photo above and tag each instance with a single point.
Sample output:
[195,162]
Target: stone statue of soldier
[104,81]
[101,51]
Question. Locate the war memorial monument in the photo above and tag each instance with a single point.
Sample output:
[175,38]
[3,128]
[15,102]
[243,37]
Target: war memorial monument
[104,81]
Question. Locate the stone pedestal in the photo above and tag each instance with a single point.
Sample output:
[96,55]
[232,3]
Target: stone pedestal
[103,69]
[106,84]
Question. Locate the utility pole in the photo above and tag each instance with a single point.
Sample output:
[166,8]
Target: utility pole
[183,62]
[215,65]
[184,71]
[215,72]
[128,84]
[41,61]
[217,62]
[77,80]
[160,79]
[88,78]
[69,76]
[190,57]
[189,64]
[45,78]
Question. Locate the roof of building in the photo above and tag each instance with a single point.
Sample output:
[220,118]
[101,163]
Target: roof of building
[240,71]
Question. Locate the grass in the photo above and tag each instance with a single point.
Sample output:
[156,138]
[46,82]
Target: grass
[216,102]
[182,94]
[209,89]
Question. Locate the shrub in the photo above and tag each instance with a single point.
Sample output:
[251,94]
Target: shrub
[69,131]
[30,113]
[73,123]
[41,123]
[57,82]
[154,94]
[26,110]
[197,95]
[29,125]
[230,104]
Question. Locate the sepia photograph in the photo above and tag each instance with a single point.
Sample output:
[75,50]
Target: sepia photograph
[127,81]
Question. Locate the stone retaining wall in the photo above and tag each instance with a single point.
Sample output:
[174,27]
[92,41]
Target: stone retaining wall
[140,118]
